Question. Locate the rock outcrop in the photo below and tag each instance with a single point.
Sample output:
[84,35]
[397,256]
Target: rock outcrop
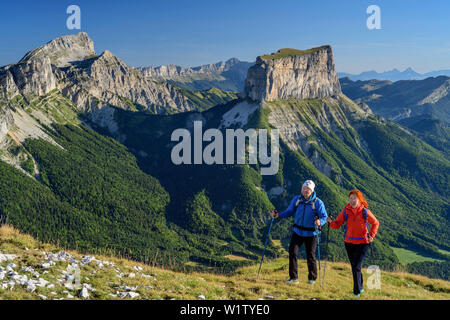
[106,80]
[29,77]
[291,73]
[64,50]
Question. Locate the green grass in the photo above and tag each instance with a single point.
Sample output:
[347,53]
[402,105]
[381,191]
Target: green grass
[286,52]
[406,256]
[242,285]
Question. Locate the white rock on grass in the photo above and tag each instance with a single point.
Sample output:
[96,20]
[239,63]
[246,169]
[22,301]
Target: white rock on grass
[60,256]
[10,267]
[31,287]
[129,294]
[27,269]
[47,265]
[7,257]
[42,282]
[69,285]
[202,297]
[88,286]
[84,293]
[87,259]
[127,288]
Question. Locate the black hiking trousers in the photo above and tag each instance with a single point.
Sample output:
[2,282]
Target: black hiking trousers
[310,248]
[356,253]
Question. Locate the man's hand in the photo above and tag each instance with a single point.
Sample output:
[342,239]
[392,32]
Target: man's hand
[275,213]
[317,222]
[329,220]
[370,238]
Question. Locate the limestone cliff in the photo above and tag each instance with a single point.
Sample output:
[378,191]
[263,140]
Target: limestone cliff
[291,73]
[29,77]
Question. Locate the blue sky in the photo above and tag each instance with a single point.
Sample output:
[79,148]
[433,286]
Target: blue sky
[414,33]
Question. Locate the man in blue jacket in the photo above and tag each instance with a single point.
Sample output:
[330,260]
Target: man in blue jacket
[309,212]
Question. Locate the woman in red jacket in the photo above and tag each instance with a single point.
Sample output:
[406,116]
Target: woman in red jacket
[357,238]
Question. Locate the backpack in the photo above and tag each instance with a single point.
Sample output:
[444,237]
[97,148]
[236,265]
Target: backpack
[365,221]
[313,204]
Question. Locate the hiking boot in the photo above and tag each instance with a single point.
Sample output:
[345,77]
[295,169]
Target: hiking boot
[311,282]
[292,281]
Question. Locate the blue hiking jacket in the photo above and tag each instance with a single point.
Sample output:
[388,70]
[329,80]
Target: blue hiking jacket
[304,215]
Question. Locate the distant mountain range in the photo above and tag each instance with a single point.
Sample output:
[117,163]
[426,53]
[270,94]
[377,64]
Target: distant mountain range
[394,75]
[420,105]
[226,75]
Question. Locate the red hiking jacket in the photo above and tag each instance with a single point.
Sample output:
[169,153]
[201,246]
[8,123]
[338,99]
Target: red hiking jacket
[356,226]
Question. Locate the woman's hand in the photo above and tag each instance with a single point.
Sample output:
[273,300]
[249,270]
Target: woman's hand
[317,222]
[370,238]
[275,213]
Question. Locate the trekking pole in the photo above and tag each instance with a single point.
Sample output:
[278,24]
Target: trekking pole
[318,242]
[265,246]
[371,253]
[326,255]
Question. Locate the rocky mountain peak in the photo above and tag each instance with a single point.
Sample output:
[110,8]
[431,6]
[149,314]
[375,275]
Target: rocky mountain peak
[107,55]
[63,50]
[292,73]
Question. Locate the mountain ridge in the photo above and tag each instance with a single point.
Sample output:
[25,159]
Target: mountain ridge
[226,75]
[394,75]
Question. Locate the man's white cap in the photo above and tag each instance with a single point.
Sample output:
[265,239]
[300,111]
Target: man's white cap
[310,184]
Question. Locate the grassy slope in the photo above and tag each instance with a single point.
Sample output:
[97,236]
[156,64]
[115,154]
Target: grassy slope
[205,99]
[406,256]
[165,284]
